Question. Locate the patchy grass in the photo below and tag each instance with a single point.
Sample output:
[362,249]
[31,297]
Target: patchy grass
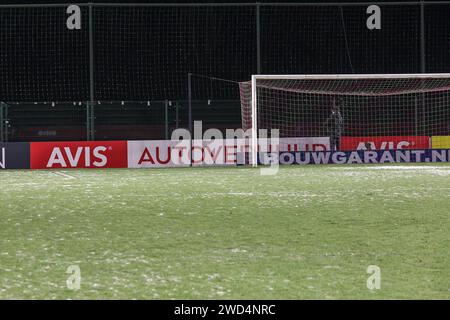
[309,232]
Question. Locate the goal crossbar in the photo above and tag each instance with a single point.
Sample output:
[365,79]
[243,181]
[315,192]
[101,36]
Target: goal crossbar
[350,76]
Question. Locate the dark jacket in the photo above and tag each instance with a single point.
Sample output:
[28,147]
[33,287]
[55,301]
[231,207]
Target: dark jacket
[335,123]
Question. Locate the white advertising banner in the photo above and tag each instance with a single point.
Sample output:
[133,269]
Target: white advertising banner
[219,152]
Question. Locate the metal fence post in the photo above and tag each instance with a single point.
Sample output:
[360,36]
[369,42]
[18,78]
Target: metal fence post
[88,121]
[258,38]
[93,121]
[166,116]
[190,103]
[90,105]
[91,54]
[422,38]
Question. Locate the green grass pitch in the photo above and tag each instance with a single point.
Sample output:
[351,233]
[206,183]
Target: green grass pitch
[309,232]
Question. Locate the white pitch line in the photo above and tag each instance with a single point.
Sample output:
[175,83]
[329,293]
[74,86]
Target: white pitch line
[67,176]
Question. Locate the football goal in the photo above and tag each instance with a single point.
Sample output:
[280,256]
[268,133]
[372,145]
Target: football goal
[342,108]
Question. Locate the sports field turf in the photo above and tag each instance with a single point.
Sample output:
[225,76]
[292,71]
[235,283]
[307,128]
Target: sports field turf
[203,233]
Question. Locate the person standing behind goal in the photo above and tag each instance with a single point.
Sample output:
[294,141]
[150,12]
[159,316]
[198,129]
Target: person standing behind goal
[335,125]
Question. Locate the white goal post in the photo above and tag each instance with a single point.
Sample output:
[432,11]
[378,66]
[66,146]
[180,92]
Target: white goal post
[373,104]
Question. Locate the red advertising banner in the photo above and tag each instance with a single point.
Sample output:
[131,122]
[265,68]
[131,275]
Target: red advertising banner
[98,154]
[385,143]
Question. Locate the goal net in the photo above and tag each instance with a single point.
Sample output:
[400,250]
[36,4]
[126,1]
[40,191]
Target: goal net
[350,112]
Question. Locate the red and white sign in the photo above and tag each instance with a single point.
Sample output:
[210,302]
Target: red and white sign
[225,152]
[148,154]
[166,153]
[385,143]
[305,144]
[98,154]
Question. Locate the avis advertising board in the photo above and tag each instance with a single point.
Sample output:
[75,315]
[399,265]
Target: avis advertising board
[99,154]
[385,143]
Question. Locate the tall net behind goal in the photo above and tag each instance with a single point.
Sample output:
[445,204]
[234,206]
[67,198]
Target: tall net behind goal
[344,106]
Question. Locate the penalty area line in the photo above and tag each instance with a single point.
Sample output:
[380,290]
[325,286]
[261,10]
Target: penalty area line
[64,175]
